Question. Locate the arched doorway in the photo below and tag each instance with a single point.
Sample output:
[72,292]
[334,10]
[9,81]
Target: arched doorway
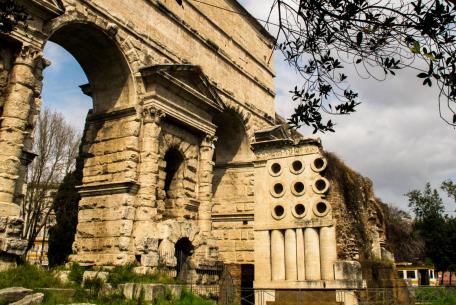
[183,249]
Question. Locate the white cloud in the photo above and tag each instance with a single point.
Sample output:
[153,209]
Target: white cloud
[396,138]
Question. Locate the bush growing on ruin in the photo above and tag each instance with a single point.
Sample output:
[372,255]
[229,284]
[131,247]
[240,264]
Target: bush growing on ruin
[401,237]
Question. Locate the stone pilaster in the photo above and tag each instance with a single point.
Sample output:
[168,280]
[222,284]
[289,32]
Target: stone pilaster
[21,96]
[146,202]
[149,169]
[206,173]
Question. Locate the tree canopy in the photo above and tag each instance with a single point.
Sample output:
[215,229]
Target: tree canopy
[319,39]
[437,229]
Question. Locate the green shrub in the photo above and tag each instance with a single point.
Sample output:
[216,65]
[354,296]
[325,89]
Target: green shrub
[94,285]
[28,276]
[76,273]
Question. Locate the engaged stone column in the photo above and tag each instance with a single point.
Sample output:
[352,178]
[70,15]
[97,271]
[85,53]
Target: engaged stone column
[277,256]
[300,258]
[290,255]
[21,95]
[312,254]
[23,89]
[148,175]
[206,173]
[328,252]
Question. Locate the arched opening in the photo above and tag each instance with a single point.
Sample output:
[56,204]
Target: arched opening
[83,56]
[183,250]
[231,149]
[110,82]
[232,142]
[174,173]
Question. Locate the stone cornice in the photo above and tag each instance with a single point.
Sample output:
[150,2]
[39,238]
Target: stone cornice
[109,188]
[111,115]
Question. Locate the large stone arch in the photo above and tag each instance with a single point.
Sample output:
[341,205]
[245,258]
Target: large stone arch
[245,116]
[108,62]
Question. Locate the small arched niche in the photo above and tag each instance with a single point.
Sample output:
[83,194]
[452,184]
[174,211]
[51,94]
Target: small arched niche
[110,82]
[232,142]
[174,173]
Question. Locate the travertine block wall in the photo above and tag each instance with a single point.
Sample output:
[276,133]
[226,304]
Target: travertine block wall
[232,212]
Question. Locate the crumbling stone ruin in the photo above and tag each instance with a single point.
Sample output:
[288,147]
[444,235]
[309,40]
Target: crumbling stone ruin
[183,150]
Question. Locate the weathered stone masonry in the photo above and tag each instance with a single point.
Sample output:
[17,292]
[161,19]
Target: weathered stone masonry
[181,147]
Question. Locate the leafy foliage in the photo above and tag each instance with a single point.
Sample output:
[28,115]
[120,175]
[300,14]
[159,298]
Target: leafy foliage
[76,274]
[11,14]
[319,38]
[437,229]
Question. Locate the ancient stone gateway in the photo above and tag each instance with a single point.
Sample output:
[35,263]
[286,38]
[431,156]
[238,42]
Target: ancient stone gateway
[183,148]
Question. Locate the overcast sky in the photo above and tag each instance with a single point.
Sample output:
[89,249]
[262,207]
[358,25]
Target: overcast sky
[396,138]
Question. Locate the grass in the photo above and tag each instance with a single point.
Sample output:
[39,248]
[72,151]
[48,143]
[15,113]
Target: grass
[29,276]
[124,274]
[436,295]
[37,278]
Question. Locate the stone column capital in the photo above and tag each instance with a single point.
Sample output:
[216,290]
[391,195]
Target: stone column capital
[151,114]
[209,141]
[28,55]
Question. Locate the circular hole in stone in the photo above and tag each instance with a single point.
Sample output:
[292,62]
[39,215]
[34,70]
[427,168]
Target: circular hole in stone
[300,209]
[276,168]
[319,163]
[320,185]
[278,188]
[321,207]
[279,210]
[297,166]
[298,187]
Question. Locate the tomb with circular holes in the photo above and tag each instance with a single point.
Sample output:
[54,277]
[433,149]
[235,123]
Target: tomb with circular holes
[297,167]
[277,190]
[278,212]
[275,169]
[321,208]
[298,188]
[319,164]
[321,185]
[299,210]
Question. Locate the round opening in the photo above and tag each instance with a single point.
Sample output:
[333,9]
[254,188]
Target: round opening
[276,168]
[298,187]
[278,188]
[279,210]
[297,166]
[318,164]
[320,184]
[300,209]
[321,207]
